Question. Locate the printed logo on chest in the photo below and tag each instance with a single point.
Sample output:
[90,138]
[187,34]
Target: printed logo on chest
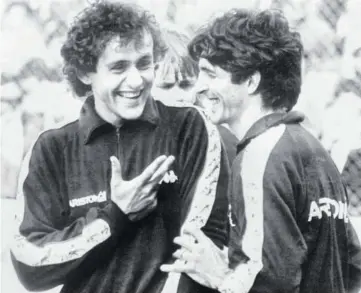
[100,197]
[169,177]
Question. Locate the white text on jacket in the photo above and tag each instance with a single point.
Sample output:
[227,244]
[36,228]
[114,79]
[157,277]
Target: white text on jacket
[328,207]
[76,202]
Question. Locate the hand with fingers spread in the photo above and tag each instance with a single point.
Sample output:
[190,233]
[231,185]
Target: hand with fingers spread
[138,197]
[199,258]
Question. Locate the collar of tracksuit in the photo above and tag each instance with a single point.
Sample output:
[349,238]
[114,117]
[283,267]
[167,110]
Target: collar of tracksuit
[268,121]
[90,121]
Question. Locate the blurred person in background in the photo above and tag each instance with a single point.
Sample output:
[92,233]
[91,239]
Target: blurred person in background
[175,78]
[106,193]
[289,227]
[177,72]
[351,175]
[347,145]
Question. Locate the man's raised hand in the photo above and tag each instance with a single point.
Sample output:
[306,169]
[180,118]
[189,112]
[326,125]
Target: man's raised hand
[137,197]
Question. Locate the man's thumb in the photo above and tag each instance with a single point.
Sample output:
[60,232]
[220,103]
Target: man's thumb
[116,168]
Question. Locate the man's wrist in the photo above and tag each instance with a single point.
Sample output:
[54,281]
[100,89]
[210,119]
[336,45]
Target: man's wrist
[114,216]
[121,205]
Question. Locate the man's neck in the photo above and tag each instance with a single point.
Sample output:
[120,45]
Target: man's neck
[107,115]
[250,116]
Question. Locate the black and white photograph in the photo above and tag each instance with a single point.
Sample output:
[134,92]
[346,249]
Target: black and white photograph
[180,146]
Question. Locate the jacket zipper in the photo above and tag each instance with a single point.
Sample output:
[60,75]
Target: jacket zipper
[118,142]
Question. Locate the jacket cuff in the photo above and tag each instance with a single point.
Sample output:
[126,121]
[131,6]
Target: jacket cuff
[115,217]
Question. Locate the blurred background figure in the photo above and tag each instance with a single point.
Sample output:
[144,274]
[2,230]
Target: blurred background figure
[34,95]
[349,91]
[178,72]
[177,76]
[351,176]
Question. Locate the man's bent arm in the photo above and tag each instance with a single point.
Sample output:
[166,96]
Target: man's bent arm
[259,219]
[205,177]
[48,249]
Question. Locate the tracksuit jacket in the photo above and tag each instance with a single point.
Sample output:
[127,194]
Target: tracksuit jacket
[289,229]
[73,234]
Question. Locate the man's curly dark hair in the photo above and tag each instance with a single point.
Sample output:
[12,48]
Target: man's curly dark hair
[94,27]
[242,42]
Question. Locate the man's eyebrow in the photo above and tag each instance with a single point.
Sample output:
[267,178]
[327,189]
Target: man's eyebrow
[118,63]
[145,57]
[206,68]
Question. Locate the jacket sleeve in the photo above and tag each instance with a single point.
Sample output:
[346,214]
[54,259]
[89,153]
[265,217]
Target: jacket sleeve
[289,220]
[48,249]
[260,217]
[354,265]
[205,177]
[205,174]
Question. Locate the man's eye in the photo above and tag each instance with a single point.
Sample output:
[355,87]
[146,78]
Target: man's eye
[208,73]
[185,84]
[119,68]
[144,64]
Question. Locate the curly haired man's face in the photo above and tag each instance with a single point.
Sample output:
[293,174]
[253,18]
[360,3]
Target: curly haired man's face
[123,79]
[215,92]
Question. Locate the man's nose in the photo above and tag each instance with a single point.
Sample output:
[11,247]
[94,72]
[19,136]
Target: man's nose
[201,85]
[200,89]
[134,78]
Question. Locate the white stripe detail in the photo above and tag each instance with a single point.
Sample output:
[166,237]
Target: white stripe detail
[53,253]
[205,191]
[254,162]
[59,252]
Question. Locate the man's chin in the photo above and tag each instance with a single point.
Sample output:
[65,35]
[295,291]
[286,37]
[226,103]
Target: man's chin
[131,113]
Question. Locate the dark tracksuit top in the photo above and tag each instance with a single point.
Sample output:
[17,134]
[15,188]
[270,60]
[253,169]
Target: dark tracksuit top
[289,230]
[230,142]
[73,234]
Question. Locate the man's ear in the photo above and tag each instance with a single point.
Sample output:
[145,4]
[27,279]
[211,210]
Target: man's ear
[84,77]
[253,82]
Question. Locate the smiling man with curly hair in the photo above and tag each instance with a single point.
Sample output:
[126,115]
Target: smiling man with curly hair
[289,228]
[106,194]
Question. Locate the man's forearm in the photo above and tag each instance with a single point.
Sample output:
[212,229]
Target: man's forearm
[43,262]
